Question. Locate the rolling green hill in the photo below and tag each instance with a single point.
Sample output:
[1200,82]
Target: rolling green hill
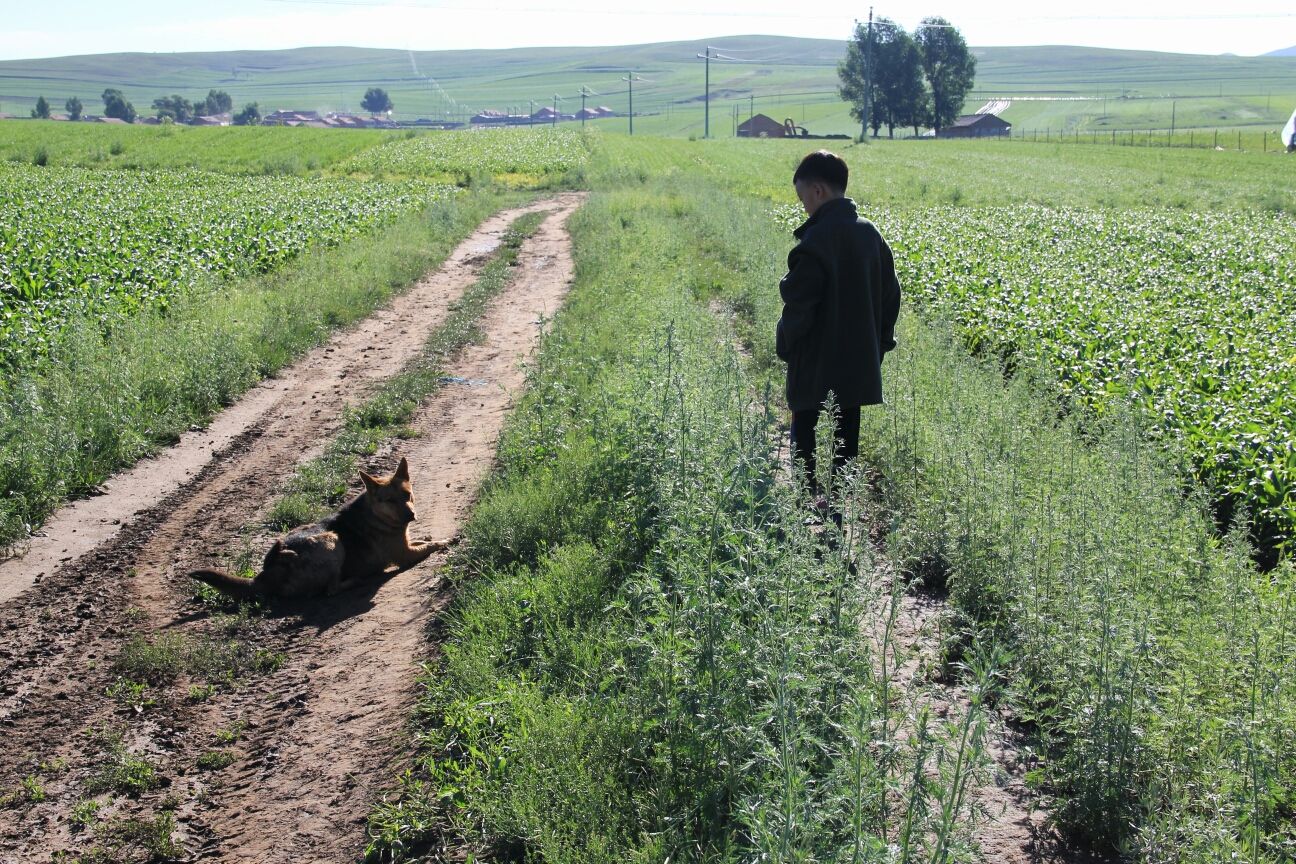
[1065,87]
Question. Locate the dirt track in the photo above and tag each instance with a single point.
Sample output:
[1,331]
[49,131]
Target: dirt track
[319,739]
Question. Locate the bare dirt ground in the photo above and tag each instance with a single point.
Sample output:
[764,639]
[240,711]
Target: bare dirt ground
[317,740]
[1013,824]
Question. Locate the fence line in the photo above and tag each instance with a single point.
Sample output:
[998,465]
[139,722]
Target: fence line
[1207,139]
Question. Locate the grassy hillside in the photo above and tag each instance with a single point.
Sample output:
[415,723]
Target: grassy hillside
[1068,87]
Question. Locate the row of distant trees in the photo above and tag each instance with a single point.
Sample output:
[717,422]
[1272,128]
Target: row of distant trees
[178,109]
[175,108]
[907,80]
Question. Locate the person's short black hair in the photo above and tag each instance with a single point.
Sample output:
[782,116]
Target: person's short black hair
[823,167]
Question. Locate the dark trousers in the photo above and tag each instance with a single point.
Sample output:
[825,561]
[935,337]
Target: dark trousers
[846,437]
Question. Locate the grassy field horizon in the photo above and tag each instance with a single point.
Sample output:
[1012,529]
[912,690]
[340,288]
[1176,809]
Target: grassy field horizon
[1055,87]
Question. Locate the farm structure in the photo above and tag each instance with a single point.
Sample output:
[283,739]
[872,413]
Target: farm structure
[761,126]
[976,126]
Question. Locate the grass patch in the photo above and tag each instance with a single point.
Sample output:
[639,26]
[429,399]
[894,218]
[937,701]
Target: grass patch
[129,840]
[85,814]
[215,760]
[122,771]
[162,659]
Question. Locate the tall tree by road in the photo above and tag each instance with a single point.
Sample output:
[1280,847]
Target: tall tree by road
[948,66]
[898,96]
[900,77]
[376,101]
[74,108]
[853,73]
[41,111]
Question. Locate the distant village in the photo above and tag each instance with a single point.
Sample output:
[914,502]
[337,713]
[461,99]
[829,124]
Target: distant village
[336,120]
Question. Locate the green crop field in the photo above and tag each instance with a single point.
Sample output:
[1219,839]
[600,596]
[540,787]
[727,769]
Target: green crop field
[235,150]
[1186,315]
[1084,467]
[80,245]
[516,156]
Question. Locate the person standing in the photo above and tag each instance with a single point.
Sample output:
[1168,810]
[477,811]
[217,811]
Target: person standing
[841,299]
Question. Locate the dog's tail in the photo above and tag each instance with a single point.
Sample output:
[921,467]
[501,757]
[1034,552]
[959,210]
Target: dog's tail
[240,589]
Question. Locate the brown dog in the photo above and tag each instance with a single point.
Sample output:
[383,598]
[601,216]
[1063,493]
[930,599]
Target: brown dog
[357,543]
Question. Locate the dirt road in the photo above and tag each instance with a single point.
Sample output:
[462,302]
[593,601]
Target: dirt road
[315,741]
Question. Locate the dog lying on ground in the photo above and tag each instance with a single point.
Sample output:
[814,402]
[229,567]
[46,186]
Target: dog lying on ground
[355,544]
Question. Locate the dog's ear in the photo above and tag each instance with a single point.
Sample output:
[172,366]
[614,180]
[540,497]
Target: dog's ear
[402,471]
[371,483]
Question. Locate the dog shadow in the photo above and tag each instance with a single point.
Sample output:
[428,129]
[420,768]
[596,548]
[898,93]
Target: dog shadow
[319,613]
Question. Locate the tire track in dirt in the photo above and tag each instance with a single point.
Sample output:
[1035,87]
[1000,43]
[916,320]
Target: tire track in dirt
[1013,825]
[358,674]
[108,562]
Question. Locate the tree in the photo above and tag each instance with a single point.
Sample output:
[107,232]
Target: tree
[897,94]
[854,75]
[901,84]
[115,105]
[41,111]
[74,108]
[249,116]
[376,101]
[174,107]
[948,66]
[217,102]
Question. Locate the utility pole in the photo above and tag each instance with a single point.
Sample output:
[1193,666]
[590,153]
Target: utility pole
[868,79]
[531,116]
[630,79]
[1172,117]
[706,95]
[555,114]
[584,93]
[751,105]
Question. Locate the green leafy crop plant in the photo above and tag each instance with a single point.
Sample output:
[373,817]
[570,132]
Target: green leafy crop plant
[517,157]
[77,244]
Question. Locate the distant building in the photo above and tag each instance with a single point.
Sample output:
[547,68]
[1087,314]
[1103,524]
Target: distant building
[976,126]
[289,118]
[761,126]
[224,119]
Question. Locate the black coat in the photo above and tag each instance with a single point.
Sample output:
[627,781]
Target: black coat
[840,303]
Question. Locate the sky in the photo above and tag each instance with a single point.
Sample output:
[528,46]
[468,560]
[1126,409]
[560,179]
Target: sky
[65,27]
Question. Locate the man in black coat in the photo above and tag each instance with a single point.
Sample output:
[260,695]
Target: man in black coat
[840,303]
